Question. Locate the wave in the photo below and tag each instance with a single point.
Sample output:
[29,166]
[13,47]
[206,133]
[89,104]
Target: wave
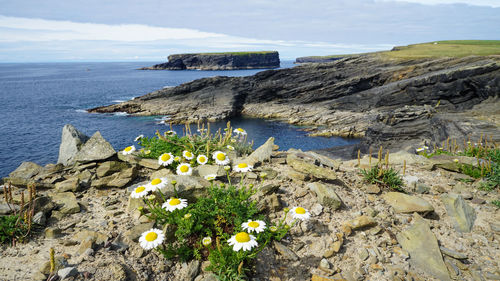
[81,110]
[120,113]
[118,101]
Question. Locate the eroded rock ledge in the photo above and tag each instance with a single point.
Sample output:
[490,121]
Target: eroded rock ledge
[220,61]
[384,101]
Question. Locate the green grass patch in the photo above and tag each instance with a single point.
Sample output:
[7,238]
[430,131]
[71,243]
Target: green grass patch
[496,203]
[388,177]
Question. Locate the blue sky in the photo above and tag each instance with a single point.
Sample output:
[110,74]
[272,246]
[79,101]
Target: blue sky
[149,30]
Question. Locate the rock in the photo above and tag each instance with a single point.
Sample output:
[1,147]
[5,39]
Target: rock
[285,252]
[86,244]
[71,184]
[52,232]
[495,226]
[24,174]
[453,254]
[144,162]
[269,189]
[39,218]
[95,149]
[118,272]
[5,209]
[261,154]
[205,170]
[461,214]
[478,201]
[422,188]
[360,222]
[403,203]
[411,181]
[60,262]
[447,162]
[110,167]
[67,272]
[310,169]
[463,190]
[189,270]
[423,247]
[372,189]
[326,195]
[71,142]
[119,180]
[135,232]
[187,187]
[85,234]
[67,202]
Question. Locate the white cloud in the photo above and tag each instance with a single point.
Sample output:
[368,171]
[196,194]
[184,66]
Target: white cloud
[489,3]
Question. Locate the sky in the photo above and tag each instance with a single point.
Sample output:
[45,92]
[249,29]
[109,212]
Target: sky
[150,30]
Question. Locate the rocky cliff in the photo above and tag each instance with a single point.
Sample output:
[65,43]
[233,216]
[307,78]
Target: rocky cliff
[220,61]
[317,59]
[389,102]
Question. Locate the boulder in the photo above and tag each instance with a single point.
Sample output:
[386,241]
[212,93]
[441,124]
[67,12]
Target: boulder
[71,184]
[25,174]
[403,203]
[110,167]
[95,149]
[205,170]
[326,195]
[420,242]
[71,141]
[461,214]
[145,162]
[261,154]
[305,167]
[67,202]
[119,180]
[187,187]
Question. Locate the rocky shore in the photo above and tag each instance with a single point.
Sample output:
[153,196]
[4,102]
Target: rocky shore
[444,228]
[220,61]
[394,103]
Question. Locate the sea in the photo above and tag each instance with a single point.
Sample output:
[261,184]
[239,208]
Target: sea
[38,99]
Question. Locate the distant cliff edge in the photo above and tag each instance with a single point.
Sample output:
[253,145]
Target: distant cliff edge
[220,61]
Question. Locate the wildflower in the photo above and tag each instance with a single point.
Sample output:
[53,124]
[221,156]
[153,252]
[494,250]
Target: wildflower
[243,241]
[187,216]
[455,160]
[139,137]
[242,167]
[257,226]
[300,213]
[207,241]
[128,150]
[147,152]
[220,158]
[157,184]
[202,159]
[420,149]
[187,154]
[170,133]
[273,228]
[426,147]
[184,169]
[173,204]
[210,177]
[233,140]
[165,159]
[177,159]
[139,192]
[151,197]
[240,131]
[151,238]
[227,168]
[263,175]
[230,147]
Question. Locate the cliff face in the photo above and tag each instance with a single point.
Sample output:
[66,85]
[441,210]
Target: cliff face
[314,59]
[386,102]
[220,61]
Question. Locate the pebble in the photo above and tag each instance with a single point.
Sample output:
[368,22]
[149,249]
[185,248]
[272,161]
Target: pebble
[67,272]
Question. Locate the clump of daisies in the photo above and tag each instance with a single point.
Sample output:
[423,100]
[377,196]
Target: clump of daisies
[224,226]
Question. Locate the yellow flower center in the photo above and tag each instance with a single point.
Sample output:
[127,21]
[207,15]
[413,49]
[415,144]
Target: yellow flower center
[242,165]
[174,202]
[151,236]
[242,237]
[165,157]
[300,211]
[221,157]
[189,154]
[140,189]
[155,181]
[253,224]
[202,159]
[240,130]
[128,148]
[184,168]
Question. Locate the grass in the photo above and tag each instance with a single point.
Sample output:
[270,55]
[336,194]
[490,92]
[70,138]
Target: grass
[496,203]
[450,48]
[381,174]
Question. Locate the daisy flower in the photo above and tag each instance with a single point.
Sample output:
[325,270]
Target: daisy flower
[173,204]
[220,158]
[230,147]
[243,241]
[207,241]
[210,177]
[170,133]
[240,131]
[202,159]
[184,169]
[166,159]
[157,184]
[151,238]
[300,213]
[187,154]
[177,159]
[242,167]
[273,228]
[139,192]
[257,226]
[139,137]
[128,150]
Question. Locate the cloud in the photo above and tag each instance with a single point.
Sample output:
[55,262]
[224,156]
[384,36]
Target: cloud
[487,3]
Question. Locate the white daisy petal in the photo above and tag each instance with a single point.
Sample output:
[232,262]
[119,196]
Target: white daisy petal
[166,159]
[220,158]
[173,204]
[240,131]
[242,168]
[139,137]
[128,150]
[187,154]
[300,213]
[202,159]
[256,226]
[139,192]
[151,239]
[184,169]
[243,241]
[157,184]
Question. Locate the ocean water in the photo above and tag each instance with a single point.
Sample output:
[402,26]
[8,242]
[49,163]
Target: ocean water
[38,99]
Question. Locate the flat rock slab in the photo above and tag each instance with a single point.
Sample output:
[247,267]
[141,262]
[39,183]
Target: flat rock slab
[420,242]
[145,162]
[403,203]
[67,202]
[95,149]
[461,214]
[310,169]
[326,195]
